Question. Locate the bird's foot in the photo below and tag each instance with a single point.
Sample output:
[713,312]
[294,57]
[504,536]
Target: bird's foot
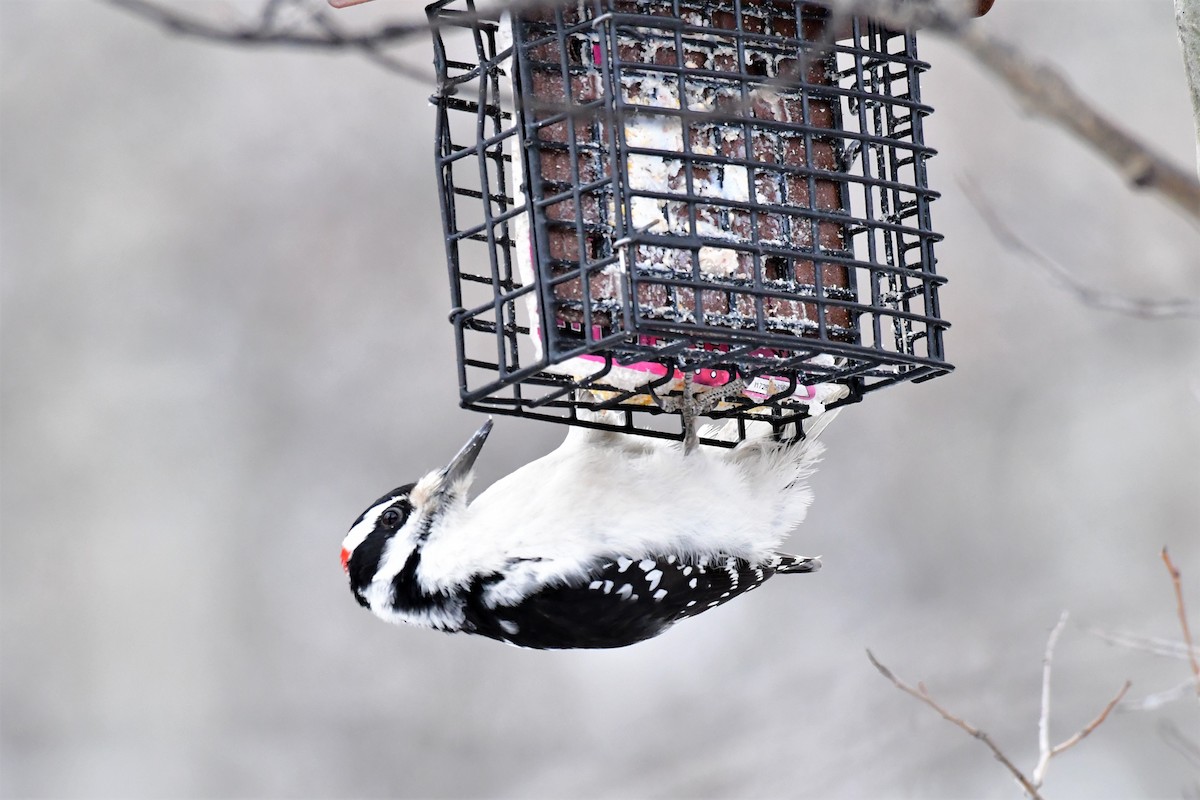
[695,402]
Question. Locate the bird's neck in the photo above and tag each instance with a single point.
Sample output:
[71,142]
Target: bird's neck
[411,602]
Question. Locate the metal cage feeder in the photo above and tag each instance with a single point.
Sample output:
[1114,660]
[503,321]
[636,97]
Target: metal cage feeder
[633,190]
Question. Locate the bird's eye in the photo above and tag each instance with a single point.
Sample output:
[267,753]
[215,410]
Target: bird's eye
[391,519]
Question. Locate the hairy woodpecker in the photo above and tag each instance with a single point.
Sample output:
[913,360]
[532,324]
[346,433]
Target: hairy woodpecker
[606,541]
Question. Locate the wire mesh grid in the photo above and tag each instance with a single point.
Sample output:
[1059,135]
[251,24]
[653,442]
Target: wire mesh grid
[633,189]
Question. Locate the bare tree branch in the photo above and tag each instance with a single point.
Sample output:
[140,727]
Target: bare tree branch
[1041,87]
[1031,785]
[1183,620]
[266,32]
[1142,307]
[923,695]
[1045,91]
[1044,750]
[1163,647]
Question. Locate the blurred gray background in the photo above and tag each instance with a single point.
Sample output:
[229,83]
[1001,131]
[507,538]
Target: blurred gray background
[224,333]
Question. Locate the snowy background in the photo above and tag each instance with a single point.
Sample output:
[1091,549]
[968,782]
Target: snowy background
[224,333]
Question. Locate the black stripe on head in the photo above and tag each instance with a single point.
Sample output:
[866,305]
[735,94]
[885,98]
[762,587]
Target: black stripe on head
[364,561]
[406,489]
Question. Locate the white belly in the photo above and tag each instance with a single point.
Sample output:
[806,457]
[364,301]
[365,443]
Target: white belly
[553,517]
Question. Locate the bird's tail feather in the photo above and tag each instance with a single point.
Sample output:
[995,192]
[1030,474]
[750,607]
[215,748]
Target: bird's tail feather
[797,563]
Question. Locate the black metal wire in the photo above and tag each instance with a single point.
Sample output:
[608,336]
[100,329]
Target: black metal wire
[787,186]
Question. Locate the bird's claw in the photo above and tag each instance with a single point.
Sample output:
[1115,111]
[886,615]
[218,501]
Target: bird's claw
[693,403]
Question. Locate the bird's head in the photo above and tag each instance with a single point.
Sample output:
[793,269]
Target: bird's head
[384,537]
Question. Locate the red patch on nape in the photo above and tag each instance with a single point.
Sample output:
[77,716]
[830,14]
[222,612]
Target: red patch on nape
[345,560]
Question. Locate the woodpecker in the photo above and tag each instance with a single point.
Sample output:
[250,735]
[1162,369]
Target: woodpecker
[606,541]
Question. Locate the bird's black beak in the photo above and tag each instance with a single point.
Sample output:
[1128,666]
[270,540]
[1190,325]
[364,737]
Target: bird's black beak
[461,464]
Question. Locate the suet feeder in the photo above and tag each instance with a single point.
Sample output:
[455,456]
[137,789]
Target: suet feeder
[633,190]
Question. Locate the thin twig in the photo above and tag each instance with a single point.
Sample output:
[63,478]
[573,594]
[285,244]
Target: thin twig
[328,36]
[263,33]
[1149,644]
[1187,20]
[1159,699]
[389,33]
[1142,307]
[1183,620]
[370,50]
[1044,750]
[267,33]
[1091,726]
[922,694]
[1180,742]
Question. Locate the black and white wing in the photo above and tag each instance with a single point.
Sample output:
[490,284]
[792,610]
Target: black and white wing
[624,601]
